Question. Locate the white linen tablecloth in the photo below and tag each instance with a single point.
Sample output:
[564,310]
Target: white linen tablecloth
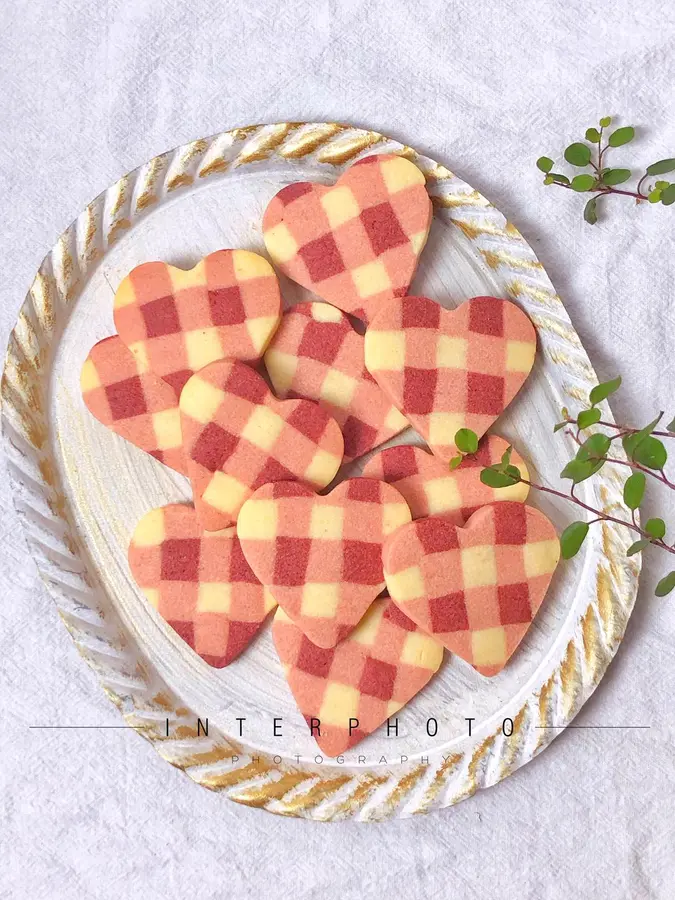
[89,90]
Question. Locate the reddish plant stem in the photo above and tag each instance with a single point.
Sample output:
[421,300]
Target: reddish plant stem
[601,516]
[624,429]
[657,474]
[604,189]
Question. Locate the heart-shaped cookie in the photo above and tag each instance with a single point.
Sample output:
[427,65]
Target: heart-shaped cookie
[199,582]
[346,692]
[321,556]
[316,355]
[450,369]
[238,436]
[355,244]
[137,405]
[475,589]
[430,488]
[177,321]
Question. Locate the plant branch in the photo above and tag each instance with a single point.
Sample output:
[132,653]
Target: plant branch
[600,515]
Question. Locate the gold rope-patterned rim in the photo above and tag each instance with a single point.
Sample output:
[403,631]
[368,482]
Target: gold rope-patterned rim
[245,775]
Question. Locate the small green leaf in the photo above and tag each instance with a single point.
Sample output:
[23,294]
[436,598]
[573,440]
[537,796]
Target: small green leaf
[496,479]
[603,390]
[634,490]
[572,538]
[466,440]
[578,154]
[621,136]
[544,164]
[595,447]
[582,183]
[593,135]
[630,441]
[616,176]
[671,427]
[591,211]
[656,527]
[506,458]
[558,426]
[661,167]
[605,122]
[666,585]
[549,180]
[637,546]
[455,462]
[561,179]
[668,196]
[651,453]
[654,196]
[661,185]
[588,417]
[579,470]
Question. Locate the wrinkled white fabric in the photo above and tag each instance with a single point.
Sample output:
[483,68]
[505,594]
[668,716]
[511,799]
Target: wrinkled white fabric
[88,90]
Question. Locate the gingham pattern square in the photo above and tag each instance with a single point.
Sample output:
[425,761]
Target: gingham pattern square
[447,370]
[316,355]
[199,582]
[238,436]
[355,244]
[475,589]
[176,321]
[363,681]
[321,556]
[137,405]
[430,488]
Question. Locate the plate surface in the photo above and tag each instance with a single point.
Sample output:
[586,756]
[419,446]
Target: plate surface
[80,489]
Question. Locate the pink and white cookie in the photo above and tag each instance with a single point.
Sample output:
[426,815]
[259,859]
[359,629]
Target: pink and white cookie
[199,582]
[430,488]
[321,556]
[450,369]
[316,355]
[238,437]
[475,589]
[137,405]
[355,244]
[346,692]
[177,321]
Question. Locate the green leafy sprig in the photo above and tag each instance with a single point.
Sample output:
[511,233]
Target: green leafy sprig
[602,179]
[646,456]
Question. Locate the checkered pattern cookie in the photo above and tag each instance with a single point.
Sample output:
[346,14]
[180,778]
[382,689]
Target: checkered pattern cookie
[430,488]
[450,369]
[238,436]
[316,355]
[360,683]
[176,321]
[321,556]
[137,405]
[199,582]
[475,589]
[355,244]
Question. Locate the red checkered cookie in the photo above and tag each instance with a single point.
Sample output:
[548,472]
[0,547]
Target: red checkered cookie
[176,321]
[199,582]
[475,589]
[430,488]
[321,556]
[316,355]
[355,244]
[238,436]
[450,369]
[137,405]
[346,692]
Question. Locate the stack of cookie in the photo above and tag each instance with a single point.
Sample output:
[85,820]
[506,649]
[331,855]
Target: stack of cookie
[261,408]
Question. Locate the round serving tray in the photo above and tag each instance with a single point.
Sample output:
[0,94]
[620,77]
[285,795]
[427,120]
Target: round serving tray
[79,490]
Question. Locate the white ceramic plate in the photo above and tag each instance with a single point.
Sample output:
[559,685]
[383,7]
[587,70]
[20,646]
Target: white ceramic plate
[80,490]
